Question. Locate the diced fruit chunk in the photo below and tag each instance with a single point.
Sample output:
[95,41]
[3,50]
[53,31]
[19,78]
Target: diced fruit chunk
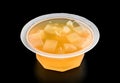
[69,47]
[85,33]
[50,45]
[84,42]
[48,28]
[73,37]
[82,30]
[51,29]
[66,29]
[69,23]
[79,43]
[38,34]
[36,40]
[87,41]
[41,33]
[78,29]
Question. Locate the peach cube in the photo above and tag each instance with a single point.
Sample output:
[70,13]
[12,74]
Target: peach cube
[87,41]
[69,23]
[79,44]
[51,29]
[73,37]
[78,29]
[48,28]
[36,39]
[69,47]
[50,45]
[66,29]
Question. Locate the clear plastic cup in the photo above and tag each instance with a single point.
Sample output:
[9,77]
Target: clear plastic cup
[60,62]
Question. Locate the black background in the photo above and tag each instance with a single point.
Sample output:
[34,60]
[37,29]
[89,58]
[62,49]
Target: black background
[20,64]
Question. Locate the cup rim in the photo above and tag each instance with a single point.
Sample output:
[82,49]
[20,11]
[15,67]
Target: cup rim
[92,27]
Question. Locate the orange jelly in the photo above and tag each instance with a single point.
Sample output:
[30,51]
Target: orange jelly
[59,36]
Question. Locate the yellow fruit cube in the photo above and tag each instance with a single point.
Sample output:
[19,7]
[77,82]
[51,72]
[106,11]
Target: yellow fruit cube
[48,28]
[52,29]
[50,45]
[78,29]
[79,43]
[83,43]
[73,37]
[87,41]
[69,47]
[66,29]
[36,39]
[69,23]
[41,33]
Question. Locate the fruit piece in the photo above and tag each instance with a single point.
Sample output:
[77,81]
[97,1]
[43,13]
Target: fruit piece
[69,23]
[38,34]
[85,33]
[48,28]
[41,33]
[73,37]
[82,30]
[52,29]
[79,43]
[36,42]
[78,29]
[87,41]
[69,47]
[83,43]
[50,45]
[66,29]
[36,39]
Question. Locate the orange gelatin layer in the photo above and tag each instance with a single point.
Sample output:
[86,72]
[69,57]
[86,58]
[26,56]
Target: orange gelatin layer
[60,64]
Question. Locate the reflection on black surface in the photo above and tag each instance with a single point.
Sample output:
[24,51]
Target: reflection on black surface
[72,76]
